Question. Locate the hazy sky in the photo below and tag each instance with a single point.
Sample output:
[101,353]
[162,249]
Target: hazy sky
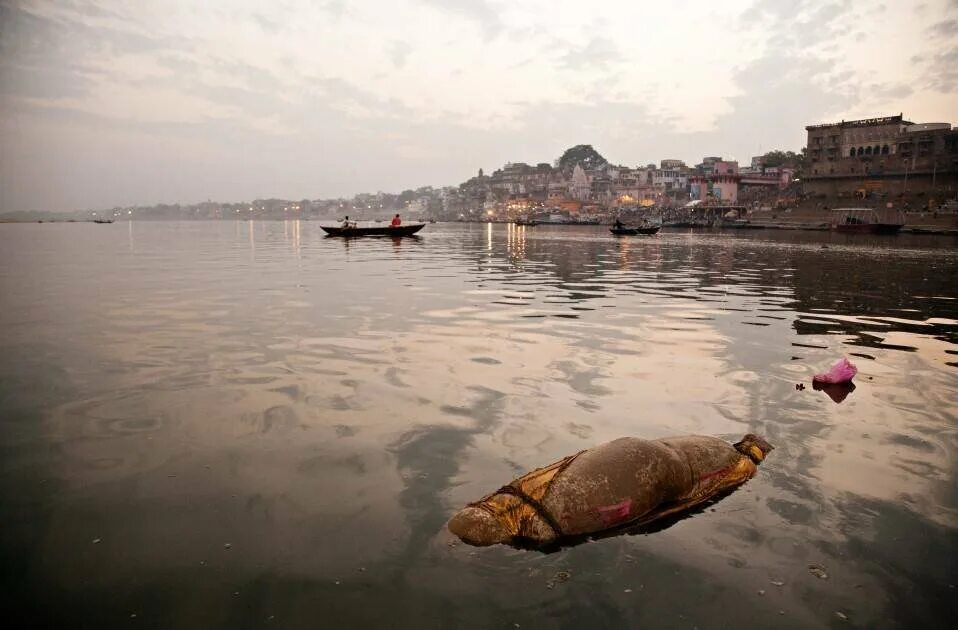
[108,103]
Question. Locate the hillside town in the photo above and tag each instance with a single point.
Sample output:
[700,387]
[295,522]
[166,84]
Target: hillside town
[886,162]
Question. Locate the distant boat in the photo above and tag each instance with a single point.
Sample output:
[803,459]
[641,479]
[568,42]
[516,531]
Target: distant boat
[866,221]
[379,230]
[103,220]
[529,222]
[632,231]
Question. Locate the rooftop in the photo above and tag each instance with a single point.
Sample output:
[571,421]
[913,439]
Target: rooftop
[865,122]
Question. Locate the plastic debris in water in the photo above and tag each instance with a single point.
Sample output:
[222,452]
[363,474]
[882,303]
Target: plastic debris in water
[842,372]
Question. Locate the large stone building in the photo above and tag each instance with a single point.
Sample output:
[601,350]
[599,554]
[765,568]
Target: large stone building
[888,156]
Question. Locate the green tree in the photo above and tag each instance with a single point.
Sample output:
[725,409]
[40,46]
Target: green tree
[582,154]
[783,158]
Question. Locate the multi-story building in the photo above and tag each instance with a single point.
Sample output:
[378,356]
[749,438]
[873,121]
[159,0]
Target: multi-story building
[707,165]
[889,155]
[670,179]
[718,179]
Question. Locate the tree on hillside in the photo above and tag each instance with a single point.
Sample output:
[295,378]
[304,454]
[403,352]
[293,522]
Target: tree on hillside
[788,159]
[582,154]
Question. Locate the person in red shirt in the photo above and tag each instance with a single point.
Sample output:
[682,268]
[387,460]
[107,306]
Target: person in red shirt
[396,221]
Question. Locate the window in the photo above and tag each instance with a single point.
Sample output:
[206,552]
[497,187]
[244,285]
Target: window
[884,150]
[851,152]
[868,150]
[861,151]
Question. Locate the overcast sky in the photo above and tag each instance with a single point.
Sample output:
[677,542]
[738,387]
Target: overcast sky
[107,103]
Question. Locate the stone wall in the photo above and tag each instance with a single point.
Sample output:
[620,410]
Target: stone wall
[942,185]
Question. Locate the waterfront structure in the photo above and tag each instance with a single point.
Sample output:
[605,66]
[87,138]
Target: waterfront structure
[886,156]
[725,182]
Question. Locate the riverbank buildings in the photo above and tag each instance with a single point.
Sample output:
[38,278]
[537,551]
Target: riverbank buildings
[887,158]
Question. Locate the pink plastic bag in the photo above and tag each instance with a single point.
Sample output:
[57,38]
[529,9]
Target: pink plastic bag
[842,372]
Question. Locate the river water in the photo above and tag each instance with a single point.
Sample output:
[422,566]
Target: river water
[248,425]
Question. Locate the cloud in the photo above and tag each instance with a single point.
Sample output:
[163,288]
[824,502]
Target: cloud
[335,8]
[942,72]
[784,93]
[945,28]
[266,23]
[889,91]
[598,52]
[776,9]
[483,12]
[399,52]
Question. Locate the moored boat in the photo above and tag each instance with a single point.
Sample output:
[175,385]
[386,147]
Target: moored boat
[866,221]
[378,230]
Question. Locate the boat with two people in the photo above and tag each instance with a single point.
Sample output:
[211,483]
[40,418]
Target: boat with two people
[867,221]
[620,229]
[352,228]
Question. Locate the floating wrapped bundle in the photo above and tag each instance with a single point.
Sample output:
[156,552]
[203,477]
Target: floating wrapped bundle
[626,482]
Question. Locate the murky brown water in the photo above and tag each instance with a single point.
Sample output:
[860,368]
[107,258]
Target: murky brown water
[323,406]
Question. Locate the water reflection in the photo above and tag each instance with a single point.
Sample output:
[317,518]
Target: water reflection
[836,391]
[323,405]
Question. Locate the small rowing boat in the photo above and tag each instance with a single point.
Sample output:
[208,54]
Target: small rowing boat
[377,230]
[632,231]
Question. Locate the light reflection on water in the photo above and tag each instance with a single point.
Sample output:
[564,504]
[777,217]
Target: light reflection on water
[323,406]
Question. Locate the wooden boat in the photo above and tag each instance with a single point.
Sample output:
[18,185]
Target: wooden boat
[632,231]
[866,221]
[103,220]
[407,229]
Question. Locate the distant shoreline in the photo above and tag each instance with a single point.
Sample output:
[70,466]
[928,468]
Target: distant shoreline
[755,226]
